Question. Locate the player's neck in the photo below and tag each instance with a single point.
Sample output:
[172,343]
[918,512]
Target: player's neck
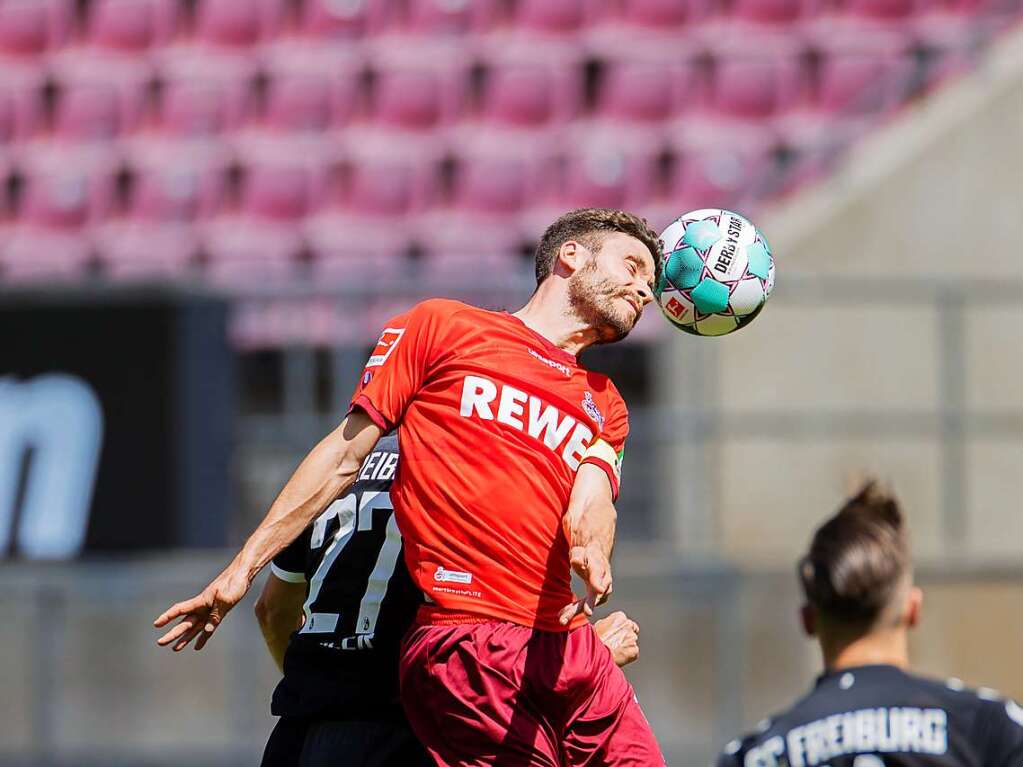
[548,314]
[888,648]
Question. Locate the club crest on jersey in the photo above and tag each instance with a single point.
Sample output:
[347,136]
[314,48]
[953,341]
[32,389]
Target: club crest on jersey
[592,410]
[388,340]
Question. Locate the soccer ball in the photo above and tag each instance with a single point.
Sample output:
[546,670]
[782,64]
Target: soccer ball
[718,272]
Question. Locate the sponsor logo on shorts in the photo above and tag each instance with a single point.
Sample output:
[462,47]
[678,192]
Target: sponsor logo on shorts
[451,576]
[388,340]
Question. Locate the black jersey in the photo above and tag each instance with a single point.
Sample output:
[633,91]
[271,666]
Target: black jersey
[880,716]
[343,662]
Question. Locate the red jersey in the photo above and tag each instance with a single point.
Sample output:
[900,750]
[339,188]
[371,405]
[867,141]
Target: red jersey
[495,421]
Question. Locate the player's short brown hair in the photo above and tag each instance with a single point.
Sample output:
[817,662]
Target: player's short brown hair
[589,226]
[858,559]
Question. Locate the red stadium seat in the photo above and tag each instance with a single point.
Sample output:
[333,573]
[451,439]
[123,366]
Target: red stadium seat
[140,250]
[205,106]
[391,179]
[647,90]
[757,84]
[530,89]
[551,16]
[348,18]
[439,17]
[241,249]
[472,267]
[862,73]
[132,25]
[22,90]
[417,88]
[89,112]
[238,24]
[720,167]
[299,102]
[67,190]
[31,254]
[348,250]
[177,186]
[286,188]
[30,27]
[606,171]
[773,11]
[884,9]
[661,14]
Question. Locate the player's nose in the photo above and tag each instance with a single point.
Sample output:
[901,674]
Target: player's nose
[645,294]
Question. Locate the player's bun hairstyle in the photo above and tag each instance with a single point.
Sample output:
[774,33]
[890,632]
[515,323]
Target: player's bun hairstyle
[858,559]
[588,226]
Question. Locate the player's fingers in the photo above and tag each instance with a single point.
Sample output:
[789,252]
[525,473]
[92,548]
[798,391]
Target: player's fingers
[182,643]
[176,632]
[204,636]
[568,612]
[179,609]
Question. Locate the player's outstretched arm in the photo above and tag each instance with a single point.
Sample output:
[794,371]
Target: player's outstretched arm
[621,635]
[329,469]
[279,612]
[590,526]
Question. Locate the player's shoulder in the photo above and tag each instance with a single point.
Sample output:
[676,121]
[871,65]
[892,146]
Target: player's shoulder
[444,308]
[768,734]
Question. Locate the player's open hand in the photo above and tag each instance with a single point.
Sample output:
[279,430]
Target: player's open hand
[621,635]
[201,614]
[591,564]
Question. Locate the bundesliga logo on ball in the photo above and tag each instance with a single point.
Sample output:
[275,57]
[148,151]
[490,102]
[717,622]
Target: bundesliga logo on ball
[718,272]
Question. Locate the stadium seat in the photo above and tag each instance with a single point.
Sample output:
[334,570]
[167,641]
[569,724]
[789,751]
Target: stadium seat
[132,250]
[298,102]
[608,172]
[391,179]
[33,254]
[131,25]
[720,167]
[351,250]
[863,74]
[348,18]
[773,11]
[22,90]
[646,90]
[660,14]
[757,83]
[285,188]
[417,88]
[89,112]
[66,189]
[443,17]
[550,16]
[238,24]
[887,10]
[31,27]
[525,90]
[174,185]
[203,107]
[480,266]
[244,250]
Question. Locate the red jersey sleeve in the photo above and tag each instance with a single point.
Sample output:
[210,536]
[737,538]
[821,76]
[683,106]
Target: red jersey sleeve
[399,362]
[608,450]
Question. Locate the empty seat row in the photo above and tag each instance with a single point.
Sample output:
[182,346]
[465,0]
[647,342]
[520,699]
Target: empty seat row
[30,27]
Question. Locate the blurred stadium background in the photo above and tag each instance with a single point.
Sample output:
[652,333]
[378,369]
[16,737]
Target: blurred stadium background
[208,208]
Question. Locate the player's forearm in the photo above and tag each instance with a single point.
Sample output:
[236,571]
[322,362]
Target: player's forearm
[593,524]
[329,469]
[277,629]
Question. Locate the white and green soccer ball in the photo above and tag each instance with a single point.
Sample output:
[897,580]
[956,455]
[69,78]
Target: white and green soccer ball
[718,272]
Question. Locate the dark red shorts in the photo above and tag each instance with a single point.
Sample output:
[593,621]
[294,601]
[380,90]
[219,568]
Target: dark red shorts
[502,695]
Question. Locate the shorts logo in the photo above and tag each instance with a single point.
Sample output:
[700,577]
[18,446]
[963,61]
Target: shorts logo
[451,576]
[592,410]
[388,340]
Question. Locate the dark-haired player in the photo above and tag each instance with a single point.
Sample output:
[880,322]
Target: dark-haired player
[867,709]
[511,455]
[344,585]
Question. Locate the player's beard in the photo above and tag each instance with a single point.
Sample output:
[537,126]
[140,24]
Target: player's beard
[592,298]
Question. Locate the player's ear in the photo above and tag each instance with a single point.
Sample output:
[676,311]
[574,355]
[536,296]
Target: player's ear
[914,603]
[808,619]
[570,256]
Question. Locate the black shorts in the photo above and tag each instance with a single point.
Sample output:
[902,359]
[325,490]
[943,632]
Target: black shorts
[330,743]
